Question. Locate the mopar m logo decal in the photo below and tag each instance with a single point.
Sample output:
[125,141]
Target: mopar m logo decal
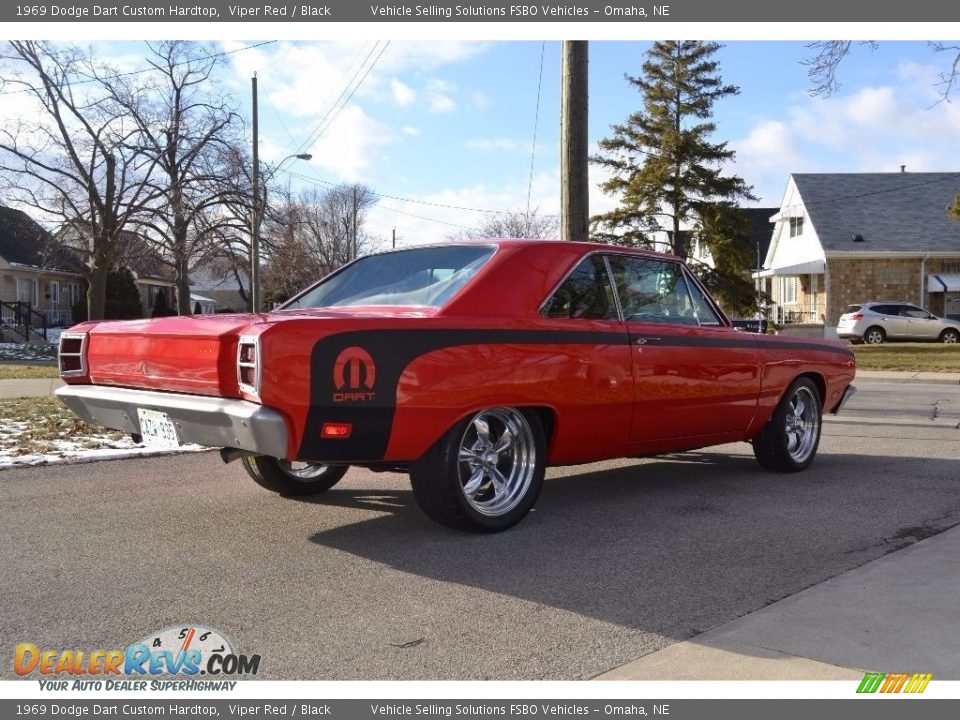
[347,376]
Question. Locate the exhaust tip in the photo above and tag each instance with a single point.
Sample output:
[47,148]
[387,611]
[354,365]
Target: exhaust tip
[228,455]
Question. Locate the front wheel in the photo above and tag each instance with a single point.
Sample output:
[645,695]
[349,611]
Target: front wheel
[950,336]
[789,441]
[485,474]
[292,478]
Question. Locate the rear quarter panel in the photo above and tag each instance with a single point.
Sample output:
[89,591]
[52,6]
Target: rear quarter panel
[784,359]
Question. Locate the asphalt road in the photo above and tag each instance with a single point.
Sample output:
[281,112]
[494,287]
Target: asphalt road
[618,559]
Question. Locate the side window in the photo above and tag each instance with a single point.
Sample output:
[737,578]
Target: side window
[706,315]
[653,290]
[586,293]
[914,312]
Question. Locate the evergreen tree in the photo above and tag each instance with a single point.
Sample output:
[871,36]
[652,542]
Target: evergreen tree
[664,166]
[123,298]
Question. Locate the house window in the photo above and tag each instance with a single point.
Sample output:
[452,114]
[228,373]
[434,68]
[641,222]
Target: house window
[73,290]
[796,226]
[950,267]
[788,290]
[893,276]
[27,291]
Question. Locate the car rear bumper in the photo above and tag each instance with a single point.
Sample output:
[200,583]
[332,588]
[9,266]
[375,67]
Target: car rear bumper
[210,421]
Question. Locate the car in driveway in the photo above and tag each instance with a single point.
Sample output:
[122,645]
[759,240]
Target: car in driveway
[472,366]
[876,322]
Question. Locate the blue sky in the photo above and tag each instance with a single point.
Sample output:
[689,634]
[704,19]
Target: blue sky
[451,122]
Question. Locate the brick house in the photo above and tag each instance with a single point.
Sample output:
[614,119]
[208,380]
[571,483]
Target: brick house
[843,238]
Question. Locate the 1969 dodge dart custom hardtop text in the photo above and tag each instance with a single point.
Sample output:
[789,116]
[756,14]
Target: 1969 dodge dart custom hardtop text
[472,366]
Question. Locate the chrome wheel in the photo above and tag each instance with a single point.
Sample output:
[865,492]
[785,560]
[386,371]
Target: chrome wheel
[802,424]
[497,460]
[292,478]
[301,471]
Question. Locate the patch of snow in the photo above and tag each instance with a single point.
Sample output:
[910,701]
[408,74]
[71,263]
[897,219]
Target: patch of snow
[70,452]
[28,352]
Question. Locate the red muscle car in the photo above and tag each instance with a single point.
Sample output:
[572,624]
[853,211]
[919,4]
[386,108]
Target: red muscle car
[473,366]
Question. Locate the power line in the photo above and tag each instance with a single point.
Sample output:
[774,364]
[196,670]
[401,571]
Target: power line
[329,183]
[141,70]
[533,147]
[332,113]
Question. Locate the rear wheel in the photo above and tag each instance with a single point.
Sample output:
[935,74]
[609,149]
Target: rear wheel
[874,336]
[292,478]
[485,474]
[789,441]
[950,336]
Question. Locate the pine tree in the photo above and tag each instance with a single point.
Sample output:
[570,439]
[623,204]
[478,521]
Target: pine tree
[664,166]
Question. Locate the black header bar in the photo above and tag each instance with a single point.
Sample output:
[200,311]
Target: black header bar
[384,11]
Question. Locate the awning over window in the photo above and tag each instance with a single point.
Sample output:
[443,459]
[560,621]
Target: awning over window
[943,283]
[811,267]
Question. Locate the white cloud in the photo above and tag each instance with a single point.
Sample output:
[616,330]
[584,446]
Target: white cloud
[480,100]
[410,131]
[439,97]
[871,129]
[403,95]
[350,145]
[446,213]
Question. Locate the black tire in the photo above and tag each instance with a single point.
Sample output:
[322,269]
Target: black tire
[280,476]
[789,441]
[465,482]
[874,335]
[950,336]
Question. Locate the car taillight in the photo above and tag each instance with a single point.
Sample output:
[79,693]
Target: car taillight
[248,365]
[72,355]
[857,316]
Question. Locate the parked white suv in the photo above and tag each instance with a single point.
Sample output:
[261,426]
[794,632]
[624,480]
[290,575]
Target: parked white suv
[875,322]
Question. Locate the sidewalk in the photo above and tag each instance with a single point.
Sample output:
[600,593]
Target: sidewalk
[28,388]
[898,613]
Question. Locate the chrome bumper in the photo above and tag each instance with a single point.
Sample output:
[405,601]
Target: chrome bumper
[847,394]
[210,421]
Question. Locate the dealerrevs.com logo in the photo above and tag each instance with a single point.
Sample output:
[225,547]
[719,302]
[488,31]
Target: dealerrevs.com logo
[186,651]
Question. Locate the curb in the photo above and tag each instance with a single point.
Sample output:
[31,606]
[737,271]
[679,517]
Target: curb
[891,376]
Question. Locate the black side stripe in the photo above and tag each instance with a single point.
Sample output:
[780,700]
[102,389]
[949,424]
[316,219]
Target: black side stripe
[393,350]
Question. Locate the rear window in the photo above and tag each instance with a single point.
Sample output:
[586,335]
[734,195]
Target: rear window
[851,309]
[422,276]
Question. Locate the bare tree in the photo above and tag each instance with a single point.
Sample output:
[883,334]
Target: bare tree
[514,224]
[77,163]
[313,233]
[822,68]
[187,129]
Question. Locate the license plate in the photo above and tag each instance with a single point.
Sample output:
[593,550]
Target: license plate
[157,429]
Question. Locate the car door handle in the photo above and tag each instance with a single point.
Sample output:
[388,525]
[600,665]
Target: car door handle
[645,340]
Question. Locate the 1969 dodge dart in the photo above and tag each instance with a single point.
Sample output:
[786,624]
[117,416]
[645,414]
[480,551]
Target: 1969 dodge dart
[473,366]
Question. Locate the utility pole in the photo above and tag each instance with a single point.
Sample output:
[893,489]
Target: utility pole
[394,238]
[353,249]
[255,215]
[574,202]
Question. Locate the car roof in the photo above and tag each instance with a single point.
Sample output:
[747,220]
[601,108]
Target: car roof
[584,245]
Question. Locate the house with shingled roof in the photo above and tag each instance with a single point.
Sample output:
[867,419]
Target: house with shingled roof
[39,281]
[845,238]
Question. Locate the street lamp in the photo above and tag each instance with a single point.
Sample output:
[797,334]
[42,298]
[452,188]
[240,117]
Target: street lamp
[255,223]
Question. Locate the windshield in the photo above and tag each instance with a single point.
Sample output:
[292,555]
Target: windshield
[423,276]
